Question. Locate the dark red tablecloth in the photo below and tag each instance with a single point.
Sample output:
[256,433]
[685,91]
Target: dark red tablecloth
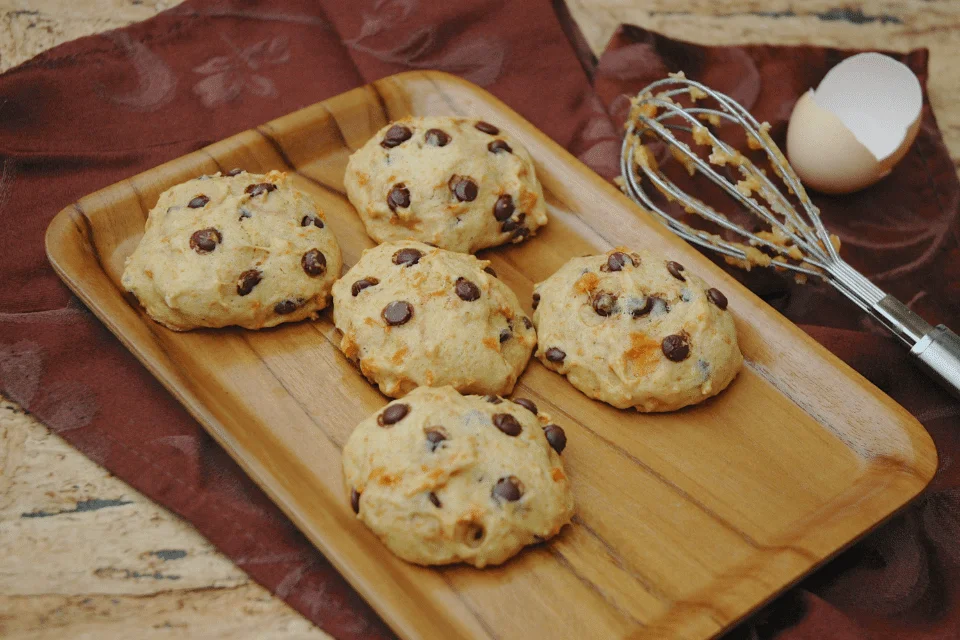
[97,110]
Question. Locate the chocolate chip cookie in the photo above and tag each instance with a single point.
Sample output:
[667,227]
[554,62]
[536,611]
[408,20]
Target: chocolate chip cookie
[443,478]
[634,329]
[413,315]
[459,184]
[239,249]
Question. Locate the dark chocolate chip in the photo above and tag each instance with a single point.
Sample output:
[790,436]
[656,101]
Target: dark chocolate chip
[362,284]
[499,145]
[311,220]
[235,172]
[639,312]
[314,263]
[199,202]
[617,261]
[285,307]
[466,290]
[399,196]
[486,127]
[407,257]
[435,435]
[397,313]
[717,298]
[507,423]
[520,234]
[355,500]
[435,500]
[675,347]
[556,437]
[436,137]
[527,323]
[528,404]
[248,280]
[509,489]
[490,271]
[258,189]
[536,301]
[505,335]
[396,135]
[503,208]
[555,355]
[393,414]
[493,399]
[205,240]
[513,225]
[463,188]
[675,268]
[604,303]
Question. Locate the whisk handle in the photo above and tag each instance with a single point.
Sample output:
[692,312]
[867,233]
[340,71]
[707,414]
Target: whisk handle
[938,352]
[936,349]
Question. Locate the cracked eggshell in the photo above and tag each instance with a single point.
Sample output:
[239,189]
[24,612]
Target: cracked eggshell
[854,128]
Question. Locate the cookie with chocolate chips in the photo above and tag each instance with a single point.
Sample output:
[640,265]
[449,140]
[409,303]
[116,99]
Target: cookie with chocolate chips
[458,183]
[634,329]
[236,249]
[441,478]
[413,315]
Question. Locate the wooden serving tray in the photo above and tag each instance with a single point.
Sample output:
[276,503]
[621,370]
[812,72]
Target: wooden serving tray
[685,521]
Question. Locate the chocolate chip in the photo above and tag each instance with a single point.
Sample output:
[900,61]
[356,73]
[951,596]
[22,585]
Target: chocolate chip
[435,500]
[205,240]
[314,263]
[555,355]
[604,303]
[717,298]
[393,414]
[675,347]
[520,234]
[464,189]
[466,290]
[435,435]
[617,261]
[493,399]
[507,423]
[509,489]
[396,135]
[527,323]
[248,280]
[505,335]
[555,437]
[675,268]
[257,189]
[199,202]
[486,127]
[399,196]
[639,312]
[499,145]
[503,208]
[355,500]
[407,257]
[362,284]
[235,172]
[490,271]
[397,313]
[513,225]
[285,307]
[436,137]
[536,301]
[311,220]
[528,404]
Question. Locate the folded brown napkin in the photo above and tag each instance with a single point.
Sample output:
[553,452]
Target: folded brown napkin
[97,110]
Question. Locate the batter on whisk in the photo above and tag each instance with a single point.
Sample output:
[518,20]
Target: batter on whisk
[634,329]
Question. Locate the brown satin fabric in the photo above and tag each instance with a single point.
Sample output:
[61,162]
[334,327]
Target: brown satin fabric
[97,110]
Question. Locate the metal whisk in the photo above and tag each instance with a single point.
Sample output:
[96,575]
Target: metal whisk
[797,240]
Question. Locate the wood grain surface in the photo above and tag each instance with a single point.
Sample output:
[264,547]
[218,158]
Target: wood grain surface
[685,521]
[101,515]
